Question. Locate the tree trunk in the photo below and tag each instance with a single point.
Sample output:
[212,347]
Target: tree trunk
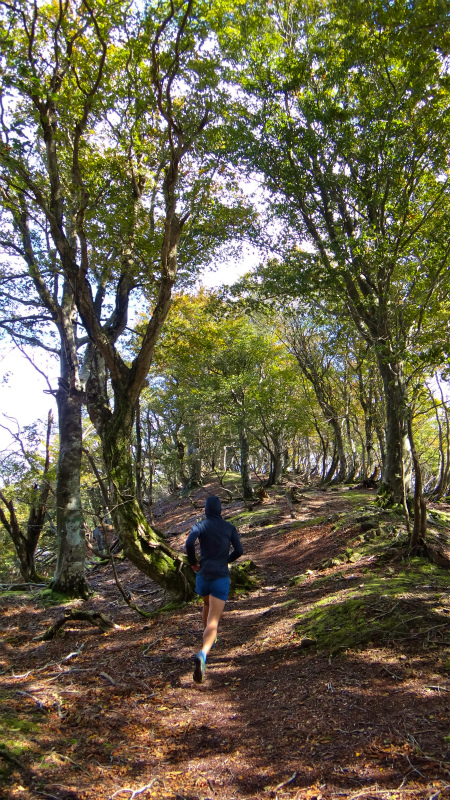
[278,457]
[333,467]
[24,550]
[245,471]
[418,533]
[138,461]
[145,549]
[195,463]
[444,444]
[396,431]
[339,451]
[69,576]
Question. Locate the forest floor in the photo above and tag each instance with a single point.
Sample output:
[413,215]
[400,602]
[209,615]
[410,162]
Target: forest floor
[329,680]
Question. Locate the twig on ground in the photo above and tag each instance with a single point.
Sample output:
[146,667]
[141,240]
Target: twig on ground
[152,644]
[414,768]
[126,595]
[66,758]
[107,678]
[392,674]
[286,783]
[40,705]
[135,792]
[437,688]
[18,587]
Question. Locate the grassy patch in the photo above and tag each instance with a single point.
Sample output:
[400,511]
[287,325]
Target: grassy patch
[309,523]
[15,733]
[50,598]
[255,517]
[14,724]
[384,608]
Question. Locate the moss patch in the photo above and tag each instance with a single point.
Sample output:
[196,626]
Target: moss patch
[255,518]
[51,598]
[309,523]
[241,579]
[382,609]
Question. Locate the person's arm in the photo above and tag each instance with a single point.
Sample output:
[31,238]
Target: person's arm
[237,547]
[190,548]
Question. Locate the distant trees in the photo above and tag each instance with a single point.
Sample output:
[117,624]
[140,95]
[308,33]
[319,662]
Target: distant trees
[26,474]
[347,122]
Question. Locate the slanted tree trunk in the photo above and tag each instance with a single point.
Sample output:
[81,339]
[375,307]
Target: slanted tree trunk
[333,467]
[148,551]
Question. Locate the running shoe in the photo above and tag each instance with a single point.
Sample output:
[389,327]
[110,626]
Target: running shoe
[199,668]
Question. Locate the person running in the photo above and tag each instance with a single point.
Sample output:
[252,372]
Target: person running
[213,578]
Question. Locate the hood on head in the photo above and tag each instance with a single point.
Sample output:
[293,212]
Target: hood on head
[213,506]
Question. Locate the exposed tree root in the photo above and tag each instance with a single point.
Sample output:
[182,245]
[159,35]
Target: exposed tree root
[94,617]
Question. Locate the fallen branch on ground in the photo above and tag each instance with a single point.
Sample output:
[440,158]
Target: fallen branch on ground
[20,587]
[95,618]
[135,792]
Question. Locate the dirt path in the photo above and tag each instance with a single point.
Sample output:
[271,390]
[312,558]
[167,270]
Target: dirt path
[273,719]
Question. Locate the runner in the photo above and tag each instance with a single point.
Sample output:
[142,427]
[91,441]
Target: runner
[213,579]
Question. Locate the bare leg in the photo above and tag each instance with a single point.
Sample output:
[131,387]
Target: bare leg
[205,611]
[214,614]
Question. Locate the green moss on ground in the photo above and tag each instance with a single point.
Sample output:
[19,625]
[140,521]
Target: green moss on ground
[50,598]
[240,578]
[255,517]
[381,609]
[310,523]
[15,733]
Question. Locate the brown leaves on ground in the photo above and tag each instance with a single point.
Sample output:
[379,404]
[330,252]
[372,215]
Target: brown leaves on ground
[90,716]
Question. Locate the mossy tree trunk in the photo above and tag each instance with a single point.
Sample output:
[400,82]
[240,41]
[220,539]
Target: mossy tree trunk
[148,551]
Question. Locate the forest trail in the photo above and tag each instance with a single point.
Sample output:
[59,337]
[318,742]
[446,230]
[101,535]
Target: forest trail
[297,702]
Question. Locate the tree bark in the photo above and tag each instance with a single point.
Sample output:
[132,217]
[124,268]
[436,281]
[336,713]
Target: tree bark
[247,487]
[148,551]
[69,575]
[418,533]
[138,459]
[396,431]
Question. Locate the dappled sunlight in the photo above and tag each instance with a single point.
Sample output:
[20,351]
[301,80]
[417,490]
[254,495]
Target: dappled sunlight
[300,699]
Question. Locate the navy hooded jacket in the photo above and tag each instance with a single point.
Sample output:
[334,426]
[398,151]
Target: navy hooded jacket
[215,536]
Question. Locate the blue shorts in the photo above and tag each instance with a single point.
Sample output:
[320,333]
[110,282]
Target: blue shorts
[218,587]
